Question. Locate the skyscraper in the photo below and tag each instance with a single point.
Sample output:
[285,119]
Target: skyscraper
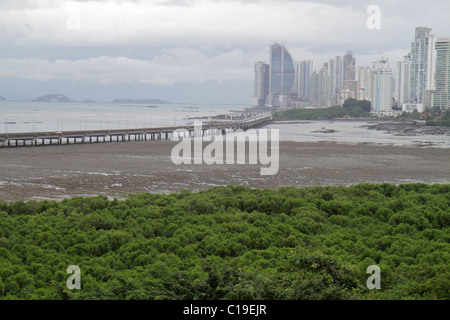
[336,78]
[381,88]
[331,78]
[442,93]
[402,80]
[314,88]
[421,64]
[261,84]
[338,74]
[282,76]
[322,87]
[349,66]
[304,76]
[364,78]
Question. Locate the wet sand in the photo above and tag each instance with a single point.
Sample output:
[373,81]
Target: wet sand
[116,169]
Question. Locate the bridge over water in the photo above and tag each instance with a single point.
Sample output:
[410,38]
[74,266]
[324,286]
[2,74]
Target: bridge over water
[119,135]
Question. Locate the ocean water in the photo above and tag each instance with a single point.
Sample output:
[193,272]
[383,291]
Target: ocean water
[40,116]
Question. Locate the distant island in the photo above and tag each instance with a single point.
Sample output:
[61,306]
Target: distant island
[63,99]
[53,98]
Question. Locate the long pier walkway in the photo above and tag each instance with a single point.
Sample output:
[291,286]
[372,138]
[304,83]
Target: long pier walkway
[118,135]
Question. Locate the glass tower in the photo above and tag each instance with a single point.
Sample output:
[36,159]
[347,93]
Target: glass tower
[282,74]
[442,93]
[421,64]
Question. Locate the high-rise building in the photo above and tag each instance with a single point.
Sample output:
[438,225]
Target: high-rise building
[314,88]
[331,78]
[305,69]
[323,96]
[442,92]
[297,77]
[381,88]
[350,87]
[421,64]
[336,77]
[261,84]
[364,78]
[402,80]
[282,76]
[338,74]
[349,66]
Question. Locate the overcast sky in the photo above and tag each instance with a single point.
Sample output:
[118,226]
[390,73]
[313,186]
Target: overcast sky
[191,51]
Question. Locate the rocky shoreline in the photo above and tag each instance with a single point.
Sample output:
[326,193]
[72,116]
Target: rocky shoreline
[408,128]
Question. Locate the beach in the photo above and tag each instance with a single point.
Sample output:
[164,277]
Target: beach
[118,169]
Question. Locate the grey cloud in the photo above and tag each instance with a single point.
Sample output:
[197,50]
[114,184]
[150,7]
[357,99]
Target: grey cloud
[177,65]
[168,42]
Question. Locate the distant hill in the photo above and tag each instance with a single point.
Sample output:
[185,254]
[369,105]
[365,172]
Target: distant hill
[2,99]
[138,101]
[53,98]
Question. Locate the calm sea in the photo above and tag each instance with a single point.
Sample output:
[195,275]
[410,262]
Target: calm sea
[39,116]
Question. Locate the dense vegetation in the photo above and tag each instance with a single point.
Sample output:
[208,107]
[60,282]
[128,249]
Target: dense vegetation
[433,116]
[232,243]
[361,109]
[357,108]
[310,114]
[351,107]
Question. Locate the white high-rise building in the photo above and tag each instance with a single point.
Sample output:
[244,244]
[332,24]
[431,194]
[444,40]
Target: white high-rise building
[314,88]
[335,71]
[381,88]
[442,92]
[305,69]
[261,84]
[336,76]
[331,78]
[323,97]
[338,73]
[402,81]
[422,64]
[364,78]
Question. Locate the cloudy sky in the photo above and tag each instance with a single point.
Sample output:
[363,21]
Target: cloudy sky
[189,51]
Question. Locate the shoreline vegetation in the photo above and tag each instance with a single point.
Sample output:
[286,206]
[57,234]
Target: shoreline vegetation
[351,108]
[232,242]
[360,110]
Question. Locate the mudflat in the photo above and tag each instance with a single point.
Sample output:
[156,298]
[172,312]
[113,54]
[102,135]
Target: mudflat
[117,169]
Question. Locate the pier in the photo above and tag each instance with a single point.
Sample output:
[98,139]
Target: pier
[120,135]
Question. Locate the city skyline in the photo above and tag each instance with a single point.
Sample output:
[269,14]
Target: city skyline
[187,51]
[421,80]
